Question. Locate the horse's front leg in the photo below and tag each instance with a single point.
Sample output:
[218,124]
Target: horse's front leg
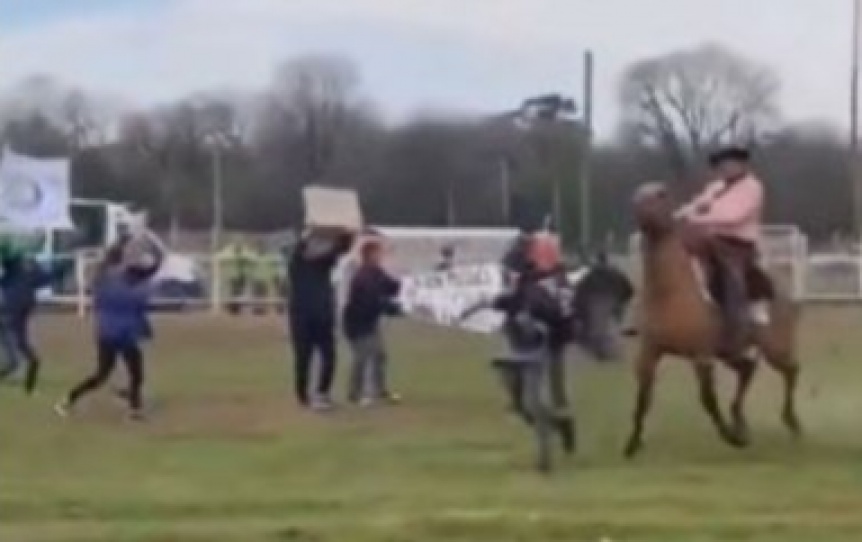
[745,369]
[705,371]
[645,369]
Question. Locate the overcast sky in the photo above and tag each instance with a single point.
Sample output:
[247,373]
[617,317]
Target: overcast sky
[414,54]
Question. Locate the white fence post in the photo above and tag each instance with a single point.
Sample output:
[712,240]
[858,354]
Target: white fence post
[81,283]
[215,285]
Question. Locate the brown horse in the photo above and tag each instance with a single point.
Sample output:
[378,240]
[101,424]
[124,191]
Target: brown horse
[679,319]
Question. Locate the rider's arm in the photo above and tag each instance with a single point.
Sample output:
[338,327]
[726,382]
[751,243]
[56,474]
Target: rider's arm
[737,206]
[704,199]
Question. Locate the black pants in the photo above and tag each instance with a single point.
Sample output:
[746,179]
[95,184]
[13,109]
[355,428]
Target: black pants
[19,326]
[312,335]
[108,353]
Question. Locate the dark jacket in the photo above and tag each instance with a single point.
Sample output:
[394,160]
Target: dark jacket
[22,280]
[311,294]
[120,303]
[371,295]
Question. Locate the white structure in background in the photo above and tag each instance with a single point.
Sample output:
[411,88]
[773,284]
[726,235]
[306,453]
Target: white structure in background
[413,250]
[420,249]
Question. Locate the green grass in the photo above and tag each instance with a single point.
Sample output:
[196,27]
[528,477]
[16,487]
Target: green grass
[227,457]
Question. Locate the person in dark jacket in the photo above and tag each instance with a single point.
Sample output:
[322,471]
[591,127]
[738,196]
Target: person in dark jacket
[20,283]
[120,293]
[311,307]
[371,295]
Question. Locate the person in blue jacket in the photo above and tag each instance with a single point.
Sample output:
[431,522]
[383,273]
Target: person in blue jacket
[22,278]
[120,293]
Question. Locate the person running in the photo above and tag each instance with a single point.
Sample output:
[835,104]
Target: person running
[20,283]
[120,299]
[371,295]
[311,308]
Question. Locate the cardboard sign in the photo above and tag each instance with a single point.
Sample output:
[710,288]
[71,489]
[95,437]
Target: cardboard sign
[331,207]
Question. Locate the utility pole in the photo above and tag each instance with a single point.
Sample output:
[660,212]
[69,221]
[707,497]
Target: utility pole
[218,201]
[855,177]
[585,179]
[505,191]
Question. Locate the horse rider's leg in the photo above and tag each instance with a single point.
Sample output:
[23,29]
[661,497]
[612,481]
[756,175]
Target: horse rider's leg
[533,401]
[735,306]
[645,370]
[705,370]
[745,369]
[788,367]
[563,418]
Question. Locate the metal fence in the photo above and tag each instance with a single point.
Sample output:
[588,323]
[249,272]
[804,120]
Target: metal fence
[806,276]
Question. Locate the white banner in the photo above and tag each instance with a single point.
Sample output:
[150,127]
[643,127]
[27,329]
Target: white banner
[441,297]
[34,193]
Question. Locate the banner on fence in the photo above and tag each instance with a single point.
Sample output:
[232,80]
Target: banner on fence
[330,207]
[34,192]
[441,297]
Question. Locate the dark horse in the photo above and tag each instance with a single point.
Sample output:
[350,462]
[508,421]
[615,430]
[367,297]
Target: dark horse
[546,310]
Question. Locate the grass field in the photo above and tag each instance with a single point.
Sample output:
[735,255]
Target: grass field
[227,457]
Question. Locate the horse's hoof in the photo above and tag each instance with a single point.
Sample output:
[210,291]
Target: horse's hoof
[793,425]
[742,434]
[633,449]
[737,440]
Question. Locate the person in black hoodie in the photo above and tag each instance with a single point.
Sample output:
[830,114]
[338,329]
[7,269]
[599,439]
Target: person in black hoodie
[20,283]
[371,295]
[311,307]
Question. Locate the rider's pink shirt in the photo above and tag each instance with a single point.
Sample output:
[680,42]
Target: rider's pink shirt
[734,212]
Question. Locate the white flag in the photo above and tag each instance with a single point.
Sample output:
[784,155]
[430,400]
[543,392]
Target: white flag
[34,192]
[441,297]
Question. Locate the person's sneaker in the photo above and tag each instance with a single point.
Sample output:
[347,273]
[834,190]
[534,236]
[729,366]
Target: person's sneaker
[137,415]
[367,402]
[322,404]
[63,408]
[392,398]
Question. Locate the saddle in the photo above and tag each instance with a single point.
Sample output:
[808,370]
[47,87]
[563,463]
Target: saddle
[734,280]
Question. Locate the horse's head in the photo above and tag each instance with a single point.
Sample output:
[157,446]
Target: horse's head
[654,209]
[602,297]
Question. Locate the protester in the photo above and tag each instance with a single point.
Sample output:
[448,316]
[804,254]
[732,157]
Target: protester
[120,292]
[311,308]
[371,295]
[447,259]
[22,279]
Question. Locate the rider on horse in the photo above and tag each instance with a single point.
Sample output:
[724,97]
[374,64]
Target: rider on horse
[724,226]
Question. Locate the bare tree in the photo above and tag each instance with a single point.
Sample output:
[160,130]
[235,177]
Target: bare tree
[311,101]
[689,101]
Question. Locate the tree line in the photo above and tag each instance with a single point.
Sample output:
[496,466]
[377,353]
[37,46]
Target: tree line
[312,124]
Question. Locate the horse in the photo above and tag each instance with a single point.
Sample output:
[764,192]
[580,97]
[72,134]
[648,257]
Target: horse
[679,318]
[583,308]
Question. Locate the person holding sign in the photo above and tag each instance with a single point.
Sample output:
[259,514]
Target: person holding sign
[371,295]
[311,308]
